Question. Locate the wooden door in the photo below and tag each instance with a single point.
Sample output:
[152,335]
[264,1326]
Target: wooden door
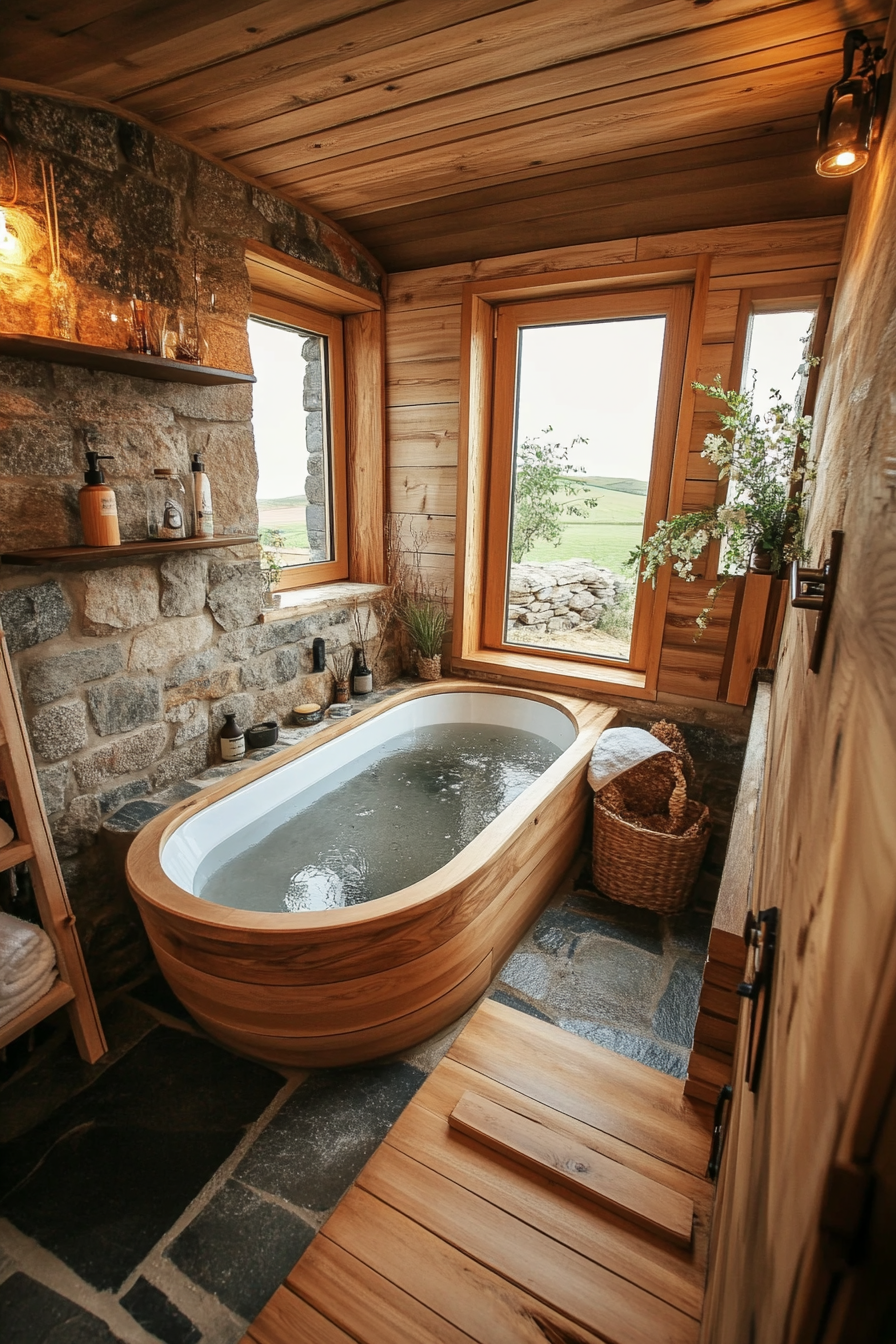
[799,1179]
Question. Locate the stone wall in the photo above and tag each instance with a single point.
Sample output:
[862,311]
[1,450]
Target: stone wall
[561,595]
[126,670]
[315,481]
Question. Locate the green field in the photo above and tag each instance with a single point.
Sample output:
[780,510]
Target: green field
[287,502]
[294,534]
[608,534]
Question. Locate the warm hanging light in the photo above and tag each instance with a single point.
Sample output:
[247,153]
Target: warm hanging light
[846,123]
[9,242]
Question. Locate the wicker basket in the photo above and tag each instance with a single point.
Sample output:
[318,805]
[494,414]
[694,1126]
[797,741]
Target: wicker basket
[649,838]
[429,669]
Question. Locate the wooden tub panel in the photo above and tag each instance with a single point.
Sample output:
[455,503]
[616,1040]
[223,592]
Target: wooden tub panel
[370,1001]
[321,956]
[353,1047]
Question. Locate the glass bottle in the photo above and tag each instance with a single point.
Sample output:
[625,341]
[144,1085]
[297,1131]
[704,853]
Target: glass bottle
[362,677]
[232,740]
[166,506]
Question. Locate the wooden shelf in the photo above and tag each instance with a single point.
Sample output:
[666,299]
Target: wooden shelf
[15,852]
[57,997]
[79,555]
[115,361]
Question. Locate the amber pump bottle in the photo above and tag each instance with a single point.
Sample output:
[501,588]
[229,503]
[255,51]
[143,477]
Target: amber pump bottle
[96,502]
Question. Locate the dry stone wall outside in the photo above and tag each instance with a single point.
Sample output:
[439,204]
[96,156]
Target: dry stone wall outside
[561,595]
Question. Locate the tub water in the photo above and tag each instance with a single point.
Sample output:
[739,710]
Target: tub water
[383,821]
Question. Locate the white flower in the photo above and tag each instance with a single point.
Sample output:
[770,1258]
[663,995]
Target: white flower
[732,517]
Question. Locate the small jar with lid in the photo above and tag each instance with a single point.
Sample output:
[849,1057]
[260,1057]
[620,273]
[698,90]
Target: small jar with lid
[166,506]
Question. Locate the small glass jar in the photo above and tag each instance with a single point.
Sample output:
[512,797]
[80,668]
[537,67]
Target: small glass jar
[166,506]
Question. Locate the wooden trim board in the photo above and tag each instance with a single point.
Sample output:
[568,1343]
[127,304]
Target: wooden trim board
[589,1173]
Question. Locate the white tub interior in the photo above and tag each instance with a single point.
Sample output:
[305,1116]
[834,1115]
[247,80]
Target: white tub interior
[226,821]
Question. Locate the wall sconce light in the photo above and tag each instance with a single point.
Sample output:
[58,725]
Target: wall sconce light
[9,242]
[846,123]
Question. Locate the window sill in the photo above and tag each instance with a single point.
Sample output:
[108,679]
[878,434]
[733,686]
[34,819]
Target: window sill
[556,673]
[297,602]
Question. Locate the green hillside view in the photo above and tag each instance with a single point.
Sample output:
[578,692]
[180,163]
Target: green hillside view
[609,533]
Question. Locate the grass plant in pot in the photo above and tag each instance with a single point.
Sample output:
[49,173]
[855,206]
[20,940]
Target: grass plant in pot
[761,523]
[426,621]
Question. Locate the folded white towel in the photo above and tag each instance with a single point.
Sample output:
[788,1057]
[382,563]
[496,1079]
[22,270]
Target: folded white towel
[25,952]
[10,1008]
[617,750]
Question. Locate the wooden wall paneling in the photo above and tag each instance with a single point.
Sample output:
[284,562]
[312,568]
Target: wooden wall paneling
[366,434]
[778,245]
[423,382]
[426,490]
[423,435]
[686,410]
[422,334]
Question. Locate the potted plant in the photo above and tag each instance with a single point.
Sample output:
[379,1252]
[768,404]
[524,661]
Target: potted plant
[761,523]
[340,661]
[271,541]
[426,621]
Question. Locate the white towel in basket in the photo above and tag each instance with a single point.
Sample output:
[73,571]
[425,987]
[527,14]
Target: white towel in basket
[27,965]
[617,750]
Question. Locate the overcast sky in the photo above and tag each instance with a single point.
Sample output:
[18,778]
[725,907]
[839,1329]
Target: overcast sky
[600,380]
[277,415]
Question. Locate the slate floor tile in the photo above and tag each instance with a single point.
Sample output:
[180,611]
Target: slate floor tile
[33,1314]
[529,973]
[512,1001]
[613,919]
[318,1142]
[628,1043]
[689,931]
[610,981]
[676,1011]
[54,1079]
[109,1171]
[241,1247]
[151,1308]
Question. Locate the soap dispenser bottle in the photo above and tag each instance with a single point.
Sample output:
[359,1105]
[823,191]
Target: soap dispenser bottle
[96,502]
[203,519]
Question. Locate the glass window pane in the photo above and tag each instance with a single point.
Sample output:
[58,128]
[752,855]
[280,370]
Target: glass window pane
[583,445]
[774,361]
[290,420]
[777,349]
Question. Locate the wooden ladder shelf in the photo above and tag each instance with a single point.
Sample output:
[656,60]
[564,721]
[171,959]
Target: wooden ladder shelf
[34,846]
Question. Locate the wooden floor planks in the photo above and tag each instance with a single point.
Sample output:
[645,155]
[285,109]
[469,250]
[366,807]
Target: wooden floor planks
[443,1240]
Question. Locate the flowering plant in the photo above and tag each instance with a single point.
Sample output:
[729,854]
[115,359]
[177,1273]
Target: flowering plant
[763,458]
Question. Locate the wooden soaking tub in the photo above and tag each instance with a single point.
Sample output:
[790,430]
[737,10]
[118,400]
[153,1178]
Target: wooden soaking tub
[318,988]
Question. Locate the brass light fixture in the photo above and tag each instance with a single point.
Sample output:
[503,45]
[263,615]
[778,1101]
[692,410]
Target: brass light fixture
[8,239]
[847,122]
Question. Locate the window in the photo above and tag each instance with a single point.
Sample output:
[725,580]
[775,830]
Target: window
[317,345]
[298,423]
[586,393]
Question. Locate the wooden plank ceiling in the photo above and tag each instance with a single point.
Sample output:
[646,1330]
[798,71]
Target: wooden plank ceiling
[446,130]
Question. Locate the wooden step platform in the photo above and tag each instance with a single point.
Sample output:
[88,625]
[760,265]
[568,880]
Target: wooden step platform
[443,1239]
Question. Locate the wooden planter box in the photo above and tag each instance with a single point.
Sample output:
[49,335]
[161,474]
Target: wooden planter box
[754,633]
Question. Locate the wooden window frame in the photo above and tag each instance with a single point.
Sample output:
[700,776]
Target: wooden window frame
[290,291]
[482,534]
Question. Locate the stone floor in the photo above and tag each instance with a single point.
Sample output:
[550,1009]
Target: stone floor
[162,1194]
